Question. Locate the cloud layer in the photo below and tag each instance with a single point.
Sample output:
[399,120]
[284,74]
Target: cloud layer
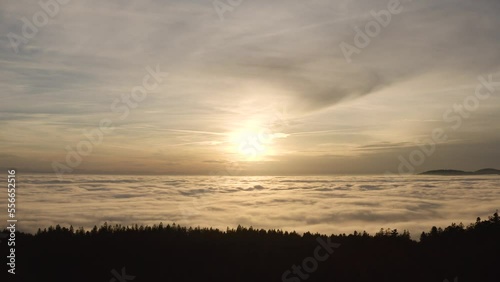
[322,204]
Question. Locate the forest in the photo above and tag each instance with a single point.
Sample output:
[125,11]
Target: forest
[176,253]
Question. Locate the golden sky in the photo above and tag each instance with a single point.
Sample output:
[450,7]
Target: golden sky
[264,85]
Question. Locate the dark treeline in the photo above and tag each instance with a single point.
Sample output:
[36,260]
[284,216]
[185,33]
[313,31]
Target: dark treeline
[175,253]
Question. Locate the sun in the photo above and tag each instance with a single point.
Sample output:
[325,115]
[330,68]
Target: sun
[253,143]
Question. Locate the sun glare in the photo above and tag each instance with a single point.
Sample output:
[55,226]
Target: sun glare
[252,142]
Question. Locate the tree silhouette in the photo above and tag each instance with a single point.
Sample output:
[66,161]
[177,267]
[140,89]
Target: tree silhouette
[177,253]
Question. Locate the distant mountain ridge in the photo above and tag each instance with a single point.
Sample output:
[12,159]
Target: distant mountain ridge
[484,171]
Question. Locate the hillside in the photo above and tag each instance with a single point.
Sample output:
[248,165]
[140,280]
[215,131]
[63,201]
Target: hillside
[484,171]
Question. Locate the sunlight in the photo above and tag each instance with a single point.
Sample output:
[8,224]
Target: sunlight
[252,141]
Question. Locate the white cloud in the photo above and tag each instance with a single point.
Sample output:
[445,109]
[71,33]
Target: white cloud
[323,204]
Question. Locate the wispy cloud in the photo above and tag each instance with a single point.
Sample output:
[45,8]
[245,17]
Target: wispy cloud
[263,56]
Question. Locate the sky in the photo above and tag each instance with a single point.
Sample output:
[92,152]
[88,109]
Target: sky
[271,87]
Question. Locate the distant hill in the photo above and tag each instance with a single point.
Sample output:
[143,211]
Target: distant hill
[485,171]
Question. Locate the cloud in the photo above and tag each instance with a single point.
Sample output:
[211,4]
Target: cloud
[314,204]
[262,57]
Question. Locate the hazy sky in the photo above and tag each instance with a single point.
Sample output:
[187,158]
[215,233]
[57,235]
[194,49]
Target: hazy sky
[261,85]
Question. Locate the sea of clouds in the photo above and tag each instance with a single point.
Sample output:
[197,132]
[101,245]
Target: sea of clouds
[325,204]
